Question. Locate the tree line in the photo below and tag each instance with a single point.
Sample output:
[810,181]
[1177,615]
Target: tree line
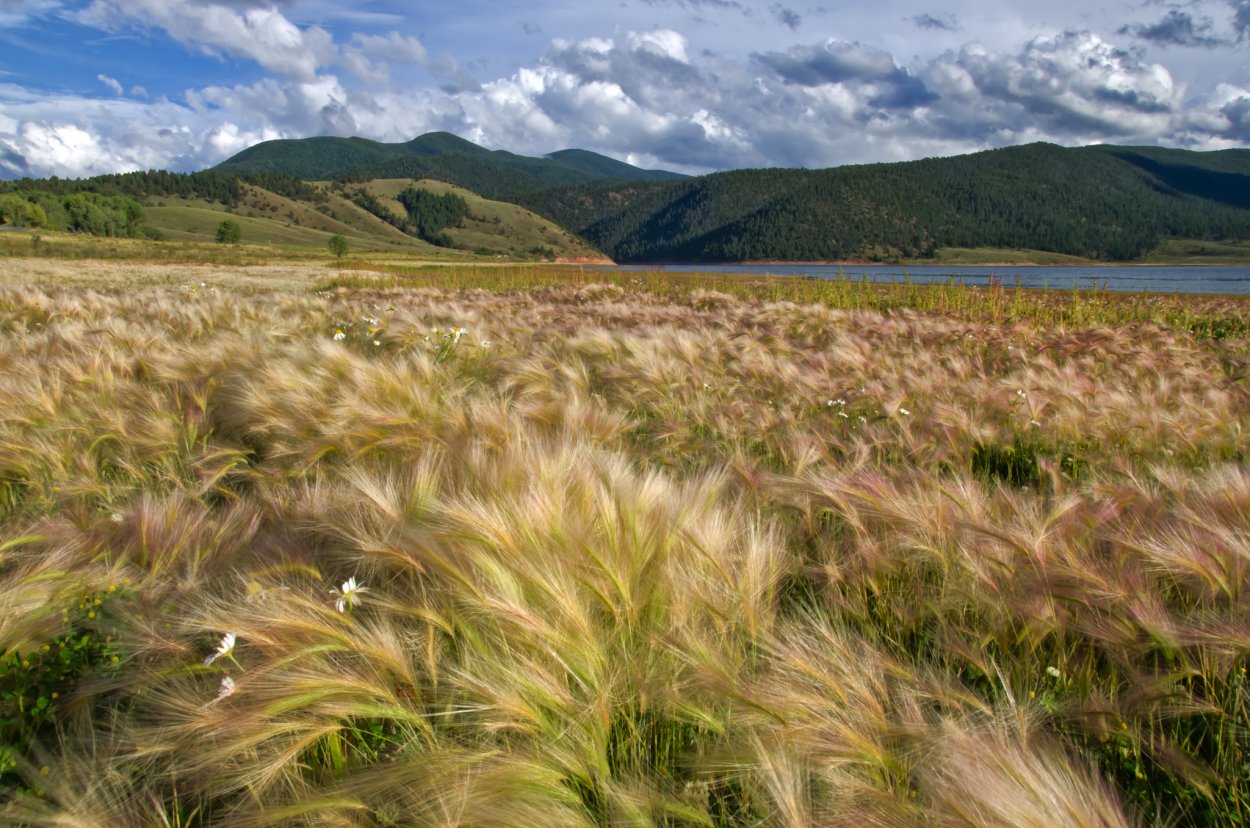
[76,212]
[1108,203]
[427,216]
[224,188]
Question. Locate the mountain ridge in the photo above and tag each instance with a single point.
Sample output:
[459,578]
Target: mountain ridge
[1103,202]
[436,155]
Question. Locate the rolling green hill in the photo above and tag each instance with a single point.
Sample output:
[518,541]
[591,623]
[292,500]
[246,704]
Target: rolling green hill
[1100,202]
[439,156]
[491,228]
[1038,202]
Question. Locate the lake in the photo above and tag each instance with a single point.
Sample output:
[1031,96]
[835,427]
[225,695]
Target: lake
[1219,279]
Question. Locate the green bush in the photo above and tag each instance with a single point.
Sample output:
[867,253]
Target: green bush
[338,246]
[33,685]
[229,232]
[19,212]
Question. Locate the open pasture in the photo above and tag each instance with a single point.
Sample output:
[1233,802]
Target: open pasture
[289,545]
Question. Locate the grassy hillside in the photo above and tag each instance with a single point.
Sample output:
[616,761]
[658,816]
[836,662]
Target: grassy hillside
[1103,203]
[493,229]
[502,547]
[438,155]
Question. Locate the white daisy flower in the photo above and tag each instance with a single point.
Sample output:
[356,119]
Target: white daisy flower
[348,595]
[224,650]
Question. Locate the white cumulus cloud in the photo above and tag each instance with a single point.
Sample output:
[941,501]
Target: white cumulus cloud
[646,94]
[262,34]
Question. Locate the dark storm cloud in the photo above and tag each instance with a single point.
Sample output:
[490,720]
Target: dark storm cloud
[1241,18]
[634,66]
[945,22]
[786,16]
[1074,86]
[839,62]
[13,164]
[453,79]
[905,92]
[723,5]
[832,62]
[1177,28]
[1238,114]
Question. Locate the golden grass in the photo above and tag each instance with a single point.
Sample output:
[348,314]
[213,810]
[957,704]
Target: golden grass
[637,550]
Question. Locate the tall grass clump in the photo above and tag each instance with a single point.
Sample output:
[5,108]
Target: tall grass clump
[533,546]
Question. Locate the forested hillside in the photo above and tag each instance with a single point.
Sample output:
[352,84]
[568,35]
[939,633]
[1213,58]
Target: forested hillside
[1103,202]
[438,155]
[115,216]
[224,188]
[1110,203]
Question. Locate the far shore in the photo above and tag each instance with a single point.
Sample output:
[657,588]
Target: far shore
[950,263]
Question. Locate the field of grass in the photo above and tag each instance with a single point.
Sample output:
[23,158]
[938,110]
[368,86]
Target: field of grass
[995,255]
[493,227]
[199,224]
[287,545]
[1192,251]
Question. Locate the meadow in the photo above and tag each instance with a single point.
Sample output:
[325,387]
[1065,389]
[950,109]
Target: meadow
[288,544]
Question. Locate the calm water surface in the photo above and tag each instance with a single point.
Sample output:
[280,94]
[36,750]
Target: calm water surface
[1212,279]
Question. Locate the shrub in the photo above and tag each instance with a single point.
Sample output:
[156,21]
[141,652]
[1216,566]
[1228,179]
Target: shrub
[229,232]
[338,246]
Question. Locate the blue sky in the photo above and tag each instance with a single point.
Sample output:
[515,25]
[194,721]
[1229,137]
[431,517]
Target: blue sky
[94,86]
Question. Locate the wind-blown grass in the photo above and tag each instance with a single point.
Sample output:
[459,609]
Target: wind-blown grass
[635,550]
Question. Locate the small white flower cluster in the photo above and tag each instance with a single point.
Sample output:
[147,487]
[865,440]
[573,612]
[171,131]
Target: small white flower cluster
[225,649]
[346,597]
[445,341]
[374,325]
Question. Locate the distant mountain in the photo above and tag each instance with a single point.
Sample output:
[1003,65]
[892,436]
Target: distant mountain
[1101,202]
[601,168]
[437,155]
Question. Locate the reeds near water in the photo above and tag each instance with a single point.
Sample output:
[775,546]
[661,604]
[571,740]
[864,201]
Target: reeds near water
[620,551]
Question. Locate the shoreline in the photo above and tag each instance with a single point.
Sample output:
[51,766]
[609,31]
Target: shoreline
[939,263]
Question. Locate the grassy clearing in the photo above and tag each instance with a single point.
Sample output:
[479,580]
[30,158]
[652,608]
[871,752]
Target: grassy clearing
[995,255]
[1192,251]
[635,549]
[199,224]
[493,227]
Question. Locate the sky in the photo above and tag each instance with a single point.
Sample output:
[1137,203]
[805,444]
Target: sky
[97,86]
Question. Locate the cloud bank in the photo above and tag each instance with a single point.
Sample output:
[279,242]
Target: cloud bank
[646,96]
